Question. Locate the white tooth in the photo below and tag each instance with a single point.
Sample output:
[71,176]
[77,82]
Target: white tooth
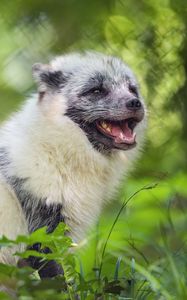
[104,125]
[121,135]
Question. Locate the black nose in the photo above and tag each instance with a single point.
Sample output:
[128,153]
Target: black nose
[133,104]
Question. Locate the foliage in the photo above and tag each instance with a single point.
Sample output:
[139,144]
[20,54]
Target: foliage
[132,275]
[145,254]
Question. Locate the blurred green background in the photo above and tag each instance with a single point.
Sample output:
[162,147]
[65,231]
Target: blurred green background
[151,37]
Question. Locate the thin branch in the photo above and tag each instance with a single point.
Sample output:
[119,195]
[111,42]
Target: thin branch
[125,202]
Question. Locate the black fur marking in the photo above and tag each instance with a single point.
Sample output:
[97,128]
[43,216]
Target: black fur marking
[54,79]
[50,269]
[37,215]
[37,212]
[94,83]
[46,269]
[103,144]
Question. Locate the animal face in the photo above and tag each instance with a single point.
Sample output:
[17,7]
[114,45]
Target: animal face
[102,97]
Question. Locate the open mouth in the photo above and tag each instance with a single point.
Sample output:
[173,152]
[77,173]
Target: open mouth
[121,132]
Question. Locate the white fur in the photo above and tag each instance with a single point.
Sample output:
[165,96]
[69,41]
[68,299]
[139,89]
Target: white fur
[61,164]
[12,222]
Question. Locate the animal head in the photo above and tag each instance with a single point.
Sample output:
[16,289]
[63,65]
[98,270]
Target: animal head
[98,93]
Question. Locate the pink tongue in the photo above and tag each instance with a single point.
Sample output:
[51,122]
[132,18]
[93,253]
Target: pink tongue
[123,134]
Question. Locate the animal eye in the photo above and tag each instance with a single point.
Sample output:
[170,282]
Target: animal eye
[133,89]
[97,90]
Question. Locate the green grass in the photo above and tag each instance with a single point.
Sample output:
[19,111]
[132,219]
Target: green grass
[138,251]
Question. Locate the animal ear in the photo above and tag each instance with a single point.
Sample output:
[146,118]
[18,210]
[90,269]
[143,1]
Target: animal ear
[47,78]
